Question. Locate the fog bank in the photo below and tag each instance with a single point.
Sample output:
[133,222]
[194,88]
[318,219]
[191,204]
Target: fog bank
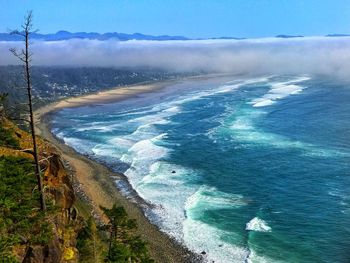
[314,55]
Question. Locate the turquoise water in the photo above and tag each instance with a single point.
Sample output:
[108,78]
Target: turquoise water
[251,170]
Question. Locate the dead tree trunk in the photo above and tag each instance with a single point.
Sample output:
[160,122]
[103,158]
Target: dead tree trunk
[25,57]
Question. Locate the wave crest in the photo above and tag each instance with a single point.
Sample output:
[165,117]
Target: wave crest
[257,224]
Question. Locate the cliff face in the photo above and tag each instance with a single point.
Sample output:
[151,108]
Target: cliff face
[63,219]
[65,222]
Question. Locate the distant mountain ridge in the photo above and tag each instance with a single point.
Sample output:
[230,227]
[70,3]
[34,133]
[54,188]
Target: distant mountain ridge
[66,35]
[288,36]
[338,35]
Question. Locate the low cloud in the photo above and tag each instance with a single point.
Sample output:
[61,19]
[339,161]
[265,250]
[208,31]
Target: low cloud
[316,55]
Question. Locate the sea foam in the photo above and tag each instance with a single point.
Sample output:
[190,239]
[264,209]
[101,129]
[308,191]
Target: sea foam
[201,237]
[253,257]
[280,90]
[211,198]
[160,186]
[257,224]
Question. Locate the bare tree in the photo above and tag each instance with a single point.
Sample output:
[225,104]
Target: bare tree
[26,58]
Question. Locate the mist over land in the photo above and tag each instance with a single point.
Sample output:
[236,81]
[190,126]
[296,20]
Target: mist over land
[309,55]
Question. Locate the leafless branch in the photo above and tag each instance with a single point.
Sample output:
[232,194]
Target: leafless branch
[46,159]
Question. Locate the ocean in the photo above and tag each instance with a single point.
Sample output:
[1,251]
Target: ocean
[238,169]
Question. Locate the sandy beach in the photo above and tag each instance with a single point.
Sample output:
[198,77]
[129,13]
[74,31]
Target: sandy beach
[96,182]
[112,95]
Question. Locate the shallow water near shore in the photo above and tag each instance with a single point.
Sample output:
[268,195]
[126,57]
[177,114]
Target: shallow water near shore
[250,170]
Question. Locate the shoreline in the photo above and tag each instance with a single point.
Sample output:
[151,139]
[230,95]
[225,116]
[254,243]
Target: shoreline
[117,94]
[95,182]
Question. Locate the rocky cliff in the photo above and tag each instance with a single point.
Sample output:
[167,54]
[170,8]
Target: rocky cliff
[63,217]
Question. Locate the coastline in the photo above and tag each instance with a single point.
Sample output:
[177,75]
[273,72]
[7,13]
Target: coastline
[95,183]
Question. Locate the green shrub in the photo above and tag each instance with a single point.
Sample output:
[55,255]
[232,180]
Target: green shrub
[119,253]
[21,221]
[124,245]
[6,138]
[88,243]
[8,259]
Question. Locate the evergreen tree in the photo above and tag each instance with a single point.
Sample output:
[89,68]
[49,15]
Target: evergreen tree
[124,246]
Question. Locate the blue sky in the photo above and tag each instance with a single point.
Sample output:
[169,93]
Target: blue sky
[191,18]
